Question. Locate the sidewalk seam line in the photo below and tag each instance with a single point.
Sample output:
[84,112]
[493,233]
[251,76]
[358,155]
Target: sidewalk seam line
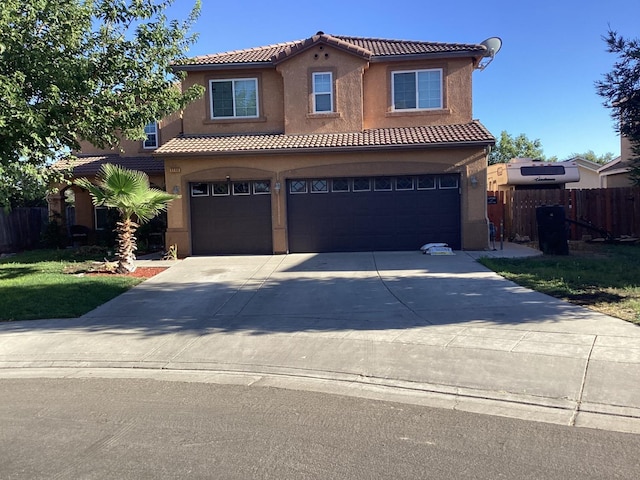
[576,411]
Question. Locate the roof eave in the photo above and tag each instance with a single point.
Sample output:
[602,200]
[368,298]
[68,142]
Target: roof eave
[195,67]
[425,56]
[221,66]
[420,146]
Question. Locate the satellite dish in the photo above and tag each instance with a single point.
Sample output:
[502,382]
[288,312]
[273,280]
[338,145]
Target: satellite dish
[493,45]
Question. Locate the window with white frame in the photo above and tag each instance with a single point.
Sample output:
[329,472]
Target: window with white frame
[234,98]
[381,184]
[340,185]
[298,186]
[220,189]
[426,182]
[262,187]
[319,186]
[322,92]
[151,131]
[199,189]
[241,188]
[417,90]
[361,184]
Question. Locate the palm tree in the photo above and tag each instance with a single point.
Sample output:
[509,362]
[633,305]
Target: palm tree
[129,192]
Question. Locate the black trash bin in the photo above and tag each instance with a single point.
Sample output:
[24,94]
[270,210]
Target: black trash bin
[552,230]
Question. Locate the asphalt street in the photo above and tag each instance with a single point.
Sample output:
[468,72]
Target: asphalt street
[138,429]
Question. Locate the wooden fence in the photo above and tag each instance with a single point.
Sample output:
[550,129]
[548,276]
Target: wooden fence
[22,228]
[614,210]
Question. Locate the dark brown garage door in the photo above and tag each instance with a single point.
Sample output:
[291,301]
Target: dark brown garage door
[231,218]
[373,213]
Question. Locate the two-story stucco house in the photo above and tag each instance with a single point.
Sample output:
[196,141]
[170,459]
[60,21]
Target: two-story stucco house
[332,143]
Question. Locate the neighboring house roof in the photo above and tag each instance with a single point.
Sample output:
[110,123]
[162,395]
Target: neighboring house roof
[473,133]
[615,166]
[583,162]
[370,48]
[88,165]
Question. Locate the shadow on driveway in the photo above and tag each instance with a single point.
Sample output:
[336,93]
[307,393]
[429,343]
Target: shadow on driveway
[318,292]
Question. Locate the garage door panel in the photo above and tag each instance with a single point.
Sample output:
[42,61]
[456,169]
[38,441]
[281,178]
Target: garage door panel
[373,220]
[231,224]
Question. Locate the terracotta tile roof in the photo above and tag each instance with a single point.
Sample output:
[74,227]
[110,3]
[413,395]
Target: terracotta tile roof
[366,47]
[88,165]
[404,137]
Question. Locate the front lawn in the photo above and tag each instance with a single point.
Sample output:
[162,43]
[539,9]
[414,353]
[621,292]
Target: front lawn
[605,278]
[34,285]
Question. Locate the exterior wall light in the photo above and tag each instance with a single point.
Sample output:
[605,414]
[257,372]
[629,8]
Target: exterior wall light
[277,187]
[176,190]
[474,181]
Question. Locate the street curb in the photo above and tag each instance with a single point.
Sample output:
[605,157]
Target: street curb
[547,410]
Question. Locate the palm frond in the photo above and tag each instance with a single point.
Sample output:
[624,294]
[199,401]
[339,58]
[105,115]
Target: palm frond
[98,196]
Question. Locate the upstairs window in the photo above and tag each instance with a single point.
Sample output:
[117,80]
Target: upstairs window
[322,92]
[417,90]
[151,131]
[235,98]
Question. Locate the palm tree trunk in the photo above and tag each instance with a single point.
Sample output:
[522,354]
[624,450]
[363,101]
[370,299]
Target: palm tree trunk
[126,246]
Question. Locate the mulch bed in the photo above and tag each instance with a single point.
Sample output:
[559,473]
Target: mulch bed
[141,272]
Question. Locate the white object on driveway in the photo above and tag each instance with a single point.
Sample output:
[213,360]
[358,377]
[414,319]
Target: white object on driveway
[436,249]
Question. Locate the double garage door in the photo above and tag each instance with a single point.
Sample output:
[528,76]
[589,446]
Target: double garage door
[328,214]
[373,213]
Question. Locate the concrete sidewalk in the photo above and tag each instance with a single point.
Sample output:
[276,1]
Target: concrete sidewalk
[433,330]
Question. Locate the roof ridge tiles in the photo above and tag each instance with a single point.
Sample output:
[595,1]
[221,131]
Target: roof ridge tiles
[400,40]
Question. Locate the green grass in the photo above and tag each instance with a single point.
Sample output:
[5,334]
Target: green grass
[34,285]
[605,278]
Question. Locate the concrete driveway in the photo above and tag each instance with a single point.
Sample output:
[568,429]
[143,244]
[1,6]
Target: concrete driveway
[434,330]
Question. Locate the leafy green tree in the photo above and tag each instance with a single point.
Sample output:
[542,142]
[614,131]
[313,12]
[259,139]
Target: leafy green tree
[22,185]
[94,70]
[593,157]
[508,147]
[129,192]
[620,89]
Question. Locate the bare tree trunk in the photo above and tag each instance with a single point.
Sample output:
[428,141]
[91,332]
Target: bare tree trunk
[126,246]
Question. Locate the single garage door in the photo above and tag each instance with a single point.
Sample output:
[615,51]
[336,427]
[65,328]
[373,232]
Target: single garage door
[231,218]
[373,213]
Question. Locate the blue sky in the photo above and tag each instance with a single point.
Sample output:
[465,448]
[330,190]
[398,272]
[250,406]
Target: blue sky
[541,83]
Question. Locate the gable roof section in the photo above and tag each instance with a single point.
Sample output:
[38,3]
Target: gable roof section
[370,48]
[468,134]
[583,162]
[615,166]
[88,165]
[321,38]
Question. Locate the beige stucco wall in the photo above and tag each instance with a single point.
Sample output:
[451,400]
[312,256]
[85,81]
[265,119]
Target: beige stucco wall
[347,70]
[457,93]
[279,168]
[168,128]
[197,115]
[588,179]
[618,180]
[362,95]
